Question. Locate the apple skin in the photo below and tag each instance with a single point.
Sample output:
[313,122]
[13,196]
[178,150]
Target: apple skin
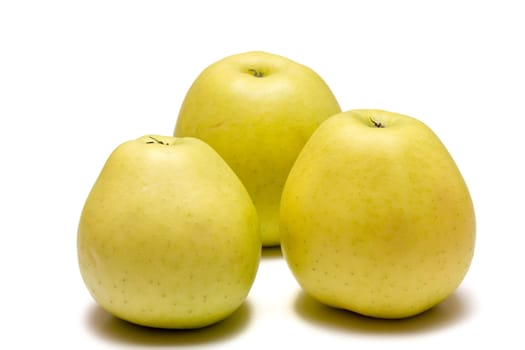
[168,236]
[257,110]
[376,217]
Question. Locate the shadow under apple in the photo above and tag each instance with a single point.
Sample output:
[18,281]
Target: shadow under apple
[450,311]
[271,253]
[117,330]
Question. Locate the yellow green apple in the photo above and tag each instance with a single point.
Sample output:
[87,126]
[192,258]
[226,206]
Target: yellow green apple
[168,236]
[376,217]
[257,110]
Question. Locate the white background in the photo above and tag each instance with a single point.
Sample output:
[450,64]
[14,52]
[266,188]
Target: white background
[79,78]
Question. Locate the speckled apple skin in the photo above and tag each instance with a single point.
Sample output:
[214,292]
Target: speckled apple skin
[168,236]
[376,217]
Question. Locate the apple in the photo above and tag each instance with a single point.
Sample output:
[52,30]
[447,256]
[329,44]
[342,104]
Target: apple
[376,217]
[168,236]
[257,110]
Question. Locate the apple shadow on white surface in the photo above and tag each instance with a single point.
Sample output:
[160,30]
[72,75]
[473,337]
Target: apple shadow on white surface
[108,327]
[452,310]
[271,253]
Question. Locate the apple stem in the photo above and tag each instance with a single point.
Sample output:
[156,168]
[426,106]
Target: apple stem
[156,140]
[256,73]
[376,123]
